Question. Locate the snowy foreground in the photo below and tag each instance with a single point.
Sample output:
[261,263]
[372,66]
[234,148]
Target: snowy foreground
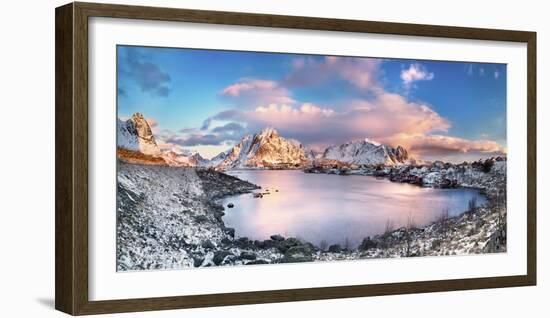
[169,217]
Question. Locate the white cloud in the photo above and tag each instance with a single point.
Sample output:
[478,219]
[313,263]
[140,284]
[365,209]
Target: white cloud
[415,72]
[470,69]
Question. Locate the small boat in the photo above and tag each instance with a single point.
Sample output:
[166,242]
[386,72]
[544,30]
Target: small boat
[230,205]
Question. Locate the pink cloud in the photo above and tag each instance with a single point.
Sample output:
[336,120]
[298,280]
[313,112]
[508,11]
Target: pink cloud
[152,122]
[236,89]
[390,113]
[298,63]
[386,115]
[445,147]
[164,147]
[258,91]
[360,72]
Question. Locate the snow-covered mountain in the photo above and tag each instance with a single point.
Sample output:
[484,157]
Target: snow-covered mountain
[185,159]
[367,152]
[265,150]
[175,159]
[135,134]
[216,160]
[198,160]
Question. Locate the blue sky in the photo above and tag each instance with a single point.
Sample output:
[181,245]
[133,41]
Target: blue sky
[206,100]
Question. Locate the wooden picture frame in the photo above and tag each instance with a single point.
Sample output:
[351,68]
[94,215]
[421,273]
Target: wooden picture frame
[71,220]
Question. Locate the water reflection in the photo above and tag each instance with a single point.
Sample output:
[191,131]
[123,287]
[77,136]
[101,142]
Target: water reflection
[317,207]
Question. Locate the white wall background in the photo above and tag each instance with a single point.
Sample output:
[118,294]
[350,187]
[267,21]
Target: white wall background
[27,158]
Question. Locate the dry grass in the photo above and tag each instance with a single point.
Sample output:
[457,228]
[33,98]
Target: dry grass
[137,157]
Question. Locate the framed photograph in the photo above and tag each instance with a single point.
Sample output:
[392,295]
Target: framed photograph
[211,158]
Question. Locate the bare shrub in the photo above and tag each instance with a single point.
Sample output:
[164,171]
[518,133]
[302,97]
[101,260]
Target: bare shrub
[443,221]
[347,244]
[389,226]
[472,207]
[500,205]
[323,245]
[411,223]
[409,228]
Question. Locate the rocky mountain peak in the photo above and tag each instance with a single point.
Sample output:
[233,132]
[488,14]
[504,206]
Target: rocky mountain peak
[401,153]
[135,134]
[142,127]
[269,132]
[367,152]
[370,141]
[266,149]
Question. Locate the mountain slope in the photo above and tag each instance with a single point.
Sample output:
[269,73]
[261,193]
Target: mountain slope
[216,160]
[135,134]
[265,150]
[367,152]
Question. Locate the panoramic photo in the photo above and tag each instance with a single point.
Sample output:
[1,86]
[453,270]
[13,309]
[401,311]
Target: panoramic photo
[229,158]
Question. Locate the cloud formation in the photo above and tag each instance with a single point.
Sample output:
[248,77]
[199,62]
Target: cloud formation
[359,72]
[415,72]
[196,139]
[122,92]
[441,146]
[385,115]
[258,91]
[231,128]
[148,76]
[369,112]
[190,137]
[152,122]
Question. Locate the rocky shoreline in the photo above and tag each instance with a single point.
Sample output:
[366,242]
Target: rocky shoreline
[171,217]
[488,176]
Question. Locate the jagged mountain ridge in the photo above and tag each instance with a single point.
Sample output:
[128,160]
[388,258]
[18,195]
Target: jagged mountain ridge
[265,150]
[135,134]
[368,152]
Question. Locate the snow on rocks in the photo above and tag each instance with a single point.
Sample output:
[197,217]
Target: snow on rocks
[170,217]
[487,175]
[481,231]
[266,149]
[367,152]
[165,216]
[136,134]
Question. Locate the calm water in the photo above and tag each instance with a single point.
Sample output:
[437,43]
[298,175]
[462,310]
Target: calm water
[333,208]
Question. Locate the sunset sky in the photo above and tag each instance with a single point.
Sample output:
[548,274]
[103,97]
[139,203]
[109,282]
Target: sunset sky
[206,100]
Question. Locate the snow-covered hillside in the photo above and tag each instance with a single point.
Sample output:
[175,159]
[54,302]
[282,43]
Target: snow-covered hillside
[367,152]
[168,216]
[136,135]
[266,150]
[171,218]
